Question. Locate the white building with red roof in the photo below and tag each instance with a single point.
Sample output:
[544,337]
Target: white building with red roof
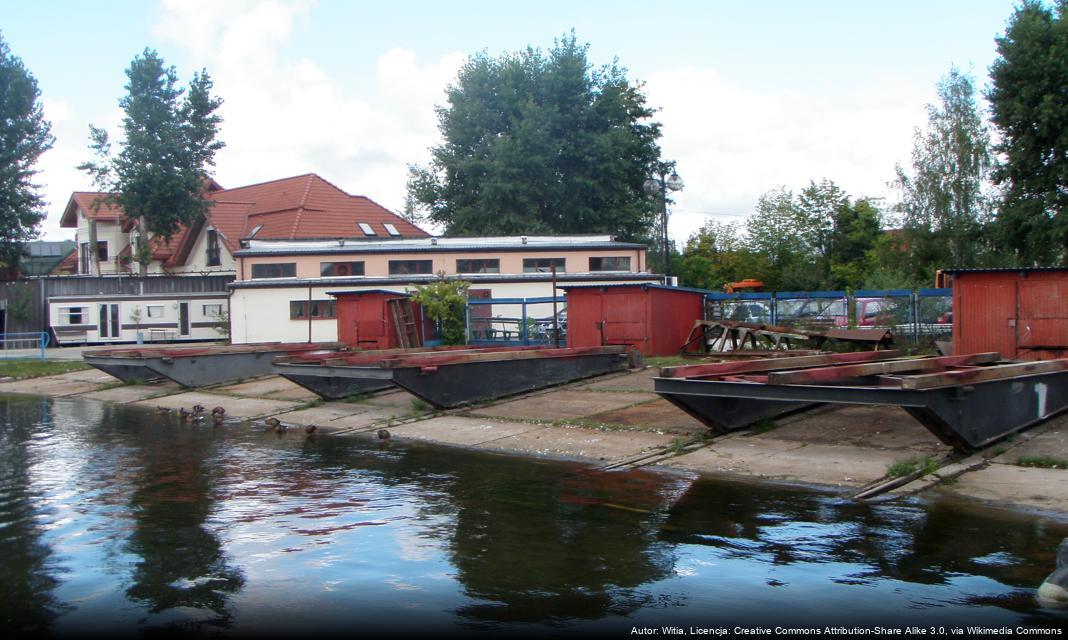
[303,207]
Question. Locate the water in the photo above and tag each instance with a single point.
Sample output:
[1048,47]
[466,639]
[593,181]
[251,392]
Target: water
[114,520]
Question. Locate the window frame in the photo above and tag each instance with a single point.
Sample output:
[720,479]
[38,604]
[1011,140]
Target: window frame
[355,270]
[65,315]
[602,259]
[494,269]
[320,309]
[208,314]
[214,257]
[535,268]
[394,264]
[150,307]
[280,265]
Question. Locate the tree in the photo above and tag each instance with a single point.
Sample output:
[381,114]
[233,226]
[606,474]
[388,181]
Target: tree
[158,176]
[718,254]
[24,136]
[444,301]
[540,143]
[944,200]
[1029,82]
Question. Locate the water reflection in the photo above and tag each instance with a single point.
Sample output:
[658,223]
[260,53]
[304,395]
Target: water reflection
[114,518]
[28,579]
[181,561]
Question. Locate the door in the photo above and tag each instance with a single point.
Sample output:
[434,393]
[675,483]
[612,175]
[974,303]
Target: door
[183,319]
[624,317]
[108,327]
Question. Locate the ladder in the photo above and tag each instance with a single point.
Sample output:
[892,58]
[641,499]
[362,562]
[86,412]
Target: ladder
[404,323]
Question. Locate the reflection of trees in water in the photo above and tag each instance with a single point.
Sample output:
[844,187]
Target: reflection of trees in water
[29,576]
[531,541]
[541,548]
[182,563]
[925,545]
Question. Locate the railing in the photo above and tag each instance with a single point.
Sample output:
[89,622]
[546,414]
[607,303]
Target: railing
[522,321]
[23,345]
[917,316]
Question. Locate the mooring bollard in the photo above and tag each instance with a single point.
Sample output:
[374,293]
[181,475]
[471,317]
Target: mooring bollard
[1054,589]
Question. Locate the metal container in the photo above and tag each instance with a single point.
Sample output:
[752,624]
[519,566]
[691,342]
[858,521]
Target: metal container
[654,319]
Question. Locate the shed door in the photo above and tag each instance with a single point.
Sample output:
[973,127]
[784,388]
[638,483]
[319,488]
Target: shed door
[371,322]
[624,317]
[990,306]
[480,314]
[1043,320]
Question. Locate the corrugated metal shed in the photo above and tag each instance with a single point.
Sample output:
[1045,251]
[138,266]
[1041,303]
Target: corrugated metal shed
[1020,313]
[654,319]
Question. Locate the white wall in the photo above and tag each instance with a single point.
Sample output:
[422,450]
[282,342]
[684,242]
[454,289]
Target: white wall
[262,314]
[197,261]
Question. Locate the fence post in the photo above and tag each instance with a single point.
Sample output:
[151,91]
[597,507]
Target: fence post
[43,341]
[523,324]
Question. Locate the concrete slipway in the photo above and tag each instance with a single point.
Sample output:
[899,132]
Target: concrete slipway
[617,422]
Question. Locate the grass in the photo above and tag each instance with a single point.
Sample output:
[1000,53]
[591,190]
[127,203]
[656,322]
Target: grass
[357,398]
[764,425]
[1044,462]
[908,466]
[27,368]
[419,405]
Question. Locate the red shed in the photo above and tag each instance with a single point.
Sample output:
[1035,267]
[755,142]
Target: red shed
[369,319]
[1020,313]
[653,318]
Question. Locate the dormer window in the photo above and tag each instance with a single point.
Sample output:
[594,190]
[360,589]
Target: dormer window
[366,228]
[255,230]
[213,248]
[390,229]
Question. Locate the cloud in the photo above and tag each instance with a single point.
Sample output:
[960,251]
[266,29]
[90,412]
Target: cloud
[733,143]
[286,116]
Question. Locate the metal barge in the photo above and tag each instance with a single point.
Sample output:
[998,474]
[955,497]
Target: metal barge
[967,401]
[198,366]
[448,379]
[328,374]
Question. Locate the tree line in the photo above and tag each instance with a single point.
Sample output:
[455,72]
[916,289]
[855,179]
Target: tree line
[543,142]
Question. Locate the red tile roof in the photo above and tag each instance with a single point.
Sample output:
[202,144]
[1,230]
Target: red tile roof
[302,207]
[85,200]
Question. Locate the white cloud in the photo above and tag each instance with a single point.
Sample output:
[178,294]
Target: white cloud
[733,143]
[285,116]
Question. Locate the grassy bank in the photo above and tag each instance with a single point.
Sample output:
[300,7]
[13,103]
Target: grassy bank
[19,368]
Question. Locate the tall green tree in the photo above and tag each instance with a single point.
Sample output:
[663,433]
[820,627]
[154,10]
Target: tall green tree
[169,143]
[944,200]
[1029,104]
[24,136]
[538,142]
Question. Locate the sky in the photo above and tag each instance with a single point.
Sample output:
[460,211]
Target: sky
[751,96]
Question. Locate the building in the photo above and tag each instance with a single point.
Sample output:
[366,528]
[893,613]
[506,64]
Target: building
[302,207]
[281,287]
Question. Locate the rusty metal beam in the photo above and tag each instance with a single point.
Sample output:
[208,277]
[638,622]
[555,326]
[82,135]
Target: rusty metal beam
[983,374]
[816,375]
[774,364]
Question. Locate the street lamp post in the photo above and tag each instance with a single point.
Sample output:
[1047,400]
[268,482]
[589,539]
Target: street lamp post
[663,183]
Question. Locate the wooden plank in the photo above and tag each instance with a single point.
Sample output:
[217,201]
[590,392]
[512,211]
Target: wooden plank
[443,359]
[818,375]
[982,374]
[774,364]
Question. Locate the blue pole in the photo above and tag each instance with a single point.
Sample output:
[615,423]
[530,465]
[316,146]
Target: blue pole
[523,325]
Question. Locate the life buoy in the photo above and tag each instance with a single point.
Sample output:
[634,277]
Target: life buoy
[342,269]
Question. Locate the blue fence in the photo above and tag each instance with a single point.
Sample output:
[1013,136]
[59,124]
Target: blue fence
[920,315]
[23,345]
[518,321]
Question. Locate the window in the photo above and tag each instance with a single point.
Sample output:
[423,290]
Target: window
[213,248]
[610,263]
[275,270]
[340,269]
[254,231]
[155,310]
[391,229]
[366,228]
[212,310]
[314,309]
[72,315]
[542,265]
[83,258]
[102,250]
[478,265]
[410,267]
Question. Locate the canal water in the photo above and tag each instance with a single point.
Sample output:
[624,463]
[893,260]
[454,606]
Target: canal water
[116,521]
